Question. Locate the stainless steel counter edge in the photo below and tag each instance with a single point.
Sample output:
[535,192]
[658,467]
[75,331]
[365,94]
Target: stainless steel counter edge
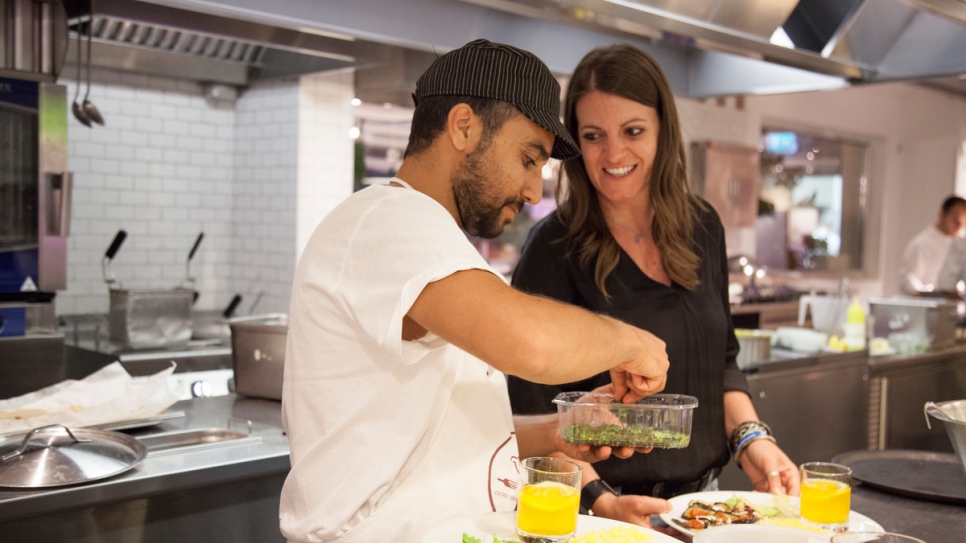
[174,471]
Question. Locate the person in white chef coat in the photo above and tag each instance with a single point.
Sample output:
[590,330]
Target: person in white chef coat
[400,333]
[925,254]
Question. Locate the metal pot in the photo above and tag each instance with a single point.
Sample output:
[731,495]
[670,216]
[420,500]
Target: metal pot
[258,354]
[755,347]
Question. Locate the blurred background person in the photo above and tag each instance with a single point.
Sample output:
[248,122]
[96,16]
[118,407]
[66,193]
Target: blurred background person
[631,240]
[924,255]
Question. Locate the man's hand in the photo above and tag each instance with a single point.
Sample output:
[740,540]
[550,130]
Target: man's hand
[645,373]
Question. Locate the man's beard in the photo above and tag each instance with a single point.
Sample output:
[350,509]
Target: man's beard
[473,194]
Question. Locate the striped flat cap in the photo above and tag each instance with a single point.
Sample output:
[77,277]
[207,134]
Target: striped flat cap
[492,70]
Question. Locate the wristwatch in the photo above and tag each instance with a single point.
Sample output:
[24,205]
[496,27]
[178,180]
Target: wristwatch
[592,491]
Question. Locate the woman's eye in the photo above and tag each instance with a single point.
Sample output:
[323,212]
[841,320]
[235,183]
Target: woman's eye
[635,131]
[590,136]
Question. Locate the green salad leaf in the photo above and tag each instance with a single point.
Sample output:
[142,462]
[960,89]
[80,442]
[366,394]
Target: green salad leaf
[616,435]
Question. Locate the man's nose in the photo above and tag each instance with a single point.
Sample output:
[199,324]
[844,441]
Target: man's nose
[533,188]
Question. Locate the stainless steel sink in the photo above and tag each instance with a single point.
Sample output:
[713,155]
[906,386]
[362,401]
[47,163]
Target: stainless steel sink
[193,439]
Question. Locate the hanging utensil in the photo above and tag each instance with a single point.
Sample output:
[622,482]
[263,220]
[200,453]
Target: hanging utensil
[89,108]
[77,108]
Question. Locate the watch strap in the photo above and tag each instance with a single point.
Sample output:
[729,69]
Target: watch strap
[592,491]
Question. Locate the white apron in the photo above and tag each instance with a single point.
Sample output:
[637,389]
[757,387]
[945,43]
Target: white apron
[471,468]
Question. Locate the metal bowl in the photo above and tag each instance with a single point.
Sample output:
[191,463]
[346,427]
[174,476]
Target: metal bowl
[953,415]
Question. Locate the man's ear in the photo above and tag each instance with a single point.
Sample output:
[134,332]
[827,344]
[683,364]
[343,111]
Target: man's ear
[463,128]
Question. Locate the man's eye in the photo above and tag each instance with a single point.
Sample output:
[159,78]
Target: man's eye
[528,162]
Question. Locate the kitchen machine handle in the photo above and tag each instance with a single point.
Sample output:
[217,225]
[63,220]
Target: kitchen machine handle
[230,310]
[194,249]
[115,245]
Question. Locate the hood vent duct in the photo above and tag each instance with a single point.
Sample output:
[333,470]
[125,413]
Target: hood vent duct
[171,40]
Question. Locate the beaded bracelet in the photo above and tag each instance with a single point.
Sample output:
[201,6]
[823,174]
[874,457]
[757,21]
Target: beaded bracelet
[744,428]
[746,433]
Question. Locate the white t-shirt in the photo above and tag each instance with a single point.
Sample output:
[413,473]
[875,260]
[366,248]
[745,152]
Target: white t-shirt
[388,437]
[922,260]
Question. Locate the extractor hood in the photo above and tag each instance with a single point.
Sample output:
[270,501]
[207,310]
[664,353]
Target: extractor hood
[707,47]
[157,39]
[861,41]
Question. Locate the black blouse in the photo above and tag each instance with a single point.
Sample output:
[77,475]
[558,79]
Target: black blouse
[695,325]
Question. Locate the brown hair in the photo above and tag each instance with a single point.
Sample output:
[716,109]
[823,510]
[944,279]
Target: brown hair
[630,73]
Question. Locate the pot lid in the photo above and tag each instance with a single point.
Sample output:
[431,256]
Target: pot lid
[56,456]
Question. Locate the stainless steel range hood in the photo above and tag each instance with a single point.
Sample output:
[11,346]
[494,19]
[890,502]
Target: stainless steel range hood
[862,41]
[159,40]
[708,47]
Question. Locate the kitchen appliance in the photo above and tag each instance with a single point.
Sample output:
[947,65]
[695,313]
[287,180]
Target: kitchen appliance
[258,354]
[914,324]
[35,193]
[149,318]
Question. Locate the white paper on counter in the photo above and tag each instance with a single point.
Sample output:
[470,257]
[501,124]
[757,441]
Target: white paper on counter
[107,395]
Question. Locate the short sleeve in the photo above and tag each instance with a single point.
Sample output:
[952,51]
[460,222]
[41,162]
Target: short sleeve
[404,243]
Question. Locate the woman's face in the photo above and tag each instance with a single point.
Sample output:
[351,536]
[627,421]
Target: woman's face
[618,138]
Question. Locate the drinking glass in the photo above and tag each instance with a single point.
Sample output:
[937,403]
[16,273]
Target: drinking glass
[873,537]
[549,500]
[826,492]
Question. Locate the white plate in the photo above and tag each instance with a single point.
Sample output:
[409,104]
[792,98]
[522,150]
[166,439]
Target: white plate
[857,521]
[503,525]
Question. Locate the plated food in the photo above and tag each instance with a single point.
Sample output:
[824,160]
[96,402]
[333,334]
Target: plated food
[661,421]
[764,509]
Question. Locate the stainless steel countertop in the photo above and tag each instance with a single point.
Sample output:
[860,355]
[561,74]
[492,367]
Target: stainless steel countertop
[172,471]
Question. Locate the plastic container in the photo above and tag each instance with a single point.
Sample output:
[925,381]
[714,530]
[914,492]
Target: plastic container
[662,421]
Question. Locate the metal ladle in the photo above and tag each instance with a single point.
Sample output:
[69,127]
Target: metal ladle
[77,108]
[89,108]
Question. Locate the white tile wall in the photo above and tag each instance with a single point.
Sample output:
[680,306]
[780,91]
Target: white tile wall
[325,148]
[167,165]
[263,225]
[161,169]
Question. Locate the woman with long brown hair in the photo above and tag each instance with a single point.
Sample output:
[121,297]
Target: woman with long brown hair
[630,239]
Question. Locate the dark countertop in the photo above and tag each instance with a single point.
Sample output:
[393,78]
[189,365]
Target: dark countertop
[171,471]
[933,522]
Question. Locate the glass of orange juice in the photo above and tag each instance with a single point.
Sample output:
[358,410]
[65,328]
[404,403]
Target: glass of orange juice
[549,500]
[826,494]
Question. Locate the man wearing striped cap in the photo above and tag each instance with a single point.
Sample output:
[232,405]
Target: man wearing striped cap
[400,333]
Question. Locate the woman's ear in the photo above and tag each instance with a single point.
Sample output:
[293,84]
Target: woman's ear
[463,128]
